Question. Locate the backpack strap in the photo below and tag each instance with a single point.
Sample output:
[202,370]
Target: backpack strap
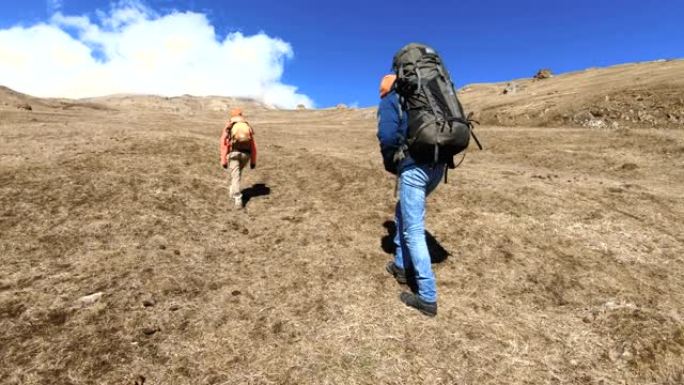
[400,153]
[472,132]
[229,135]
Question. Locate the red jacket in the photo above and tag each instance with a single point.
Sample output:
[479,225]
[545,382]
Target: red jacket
[225,145]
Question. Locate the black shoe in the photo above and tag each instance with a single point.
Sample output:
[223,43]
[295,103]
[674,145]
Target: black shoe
[399,274]
[427,308]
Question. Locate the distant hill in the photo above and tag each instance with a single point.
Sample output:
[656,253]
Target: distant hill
[10,99]
[181,104]
[647,94]
[13,100]
[631,95]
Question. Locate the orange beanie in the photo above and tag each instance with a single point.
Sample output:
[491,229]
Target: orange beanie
[235,112]
[386,84]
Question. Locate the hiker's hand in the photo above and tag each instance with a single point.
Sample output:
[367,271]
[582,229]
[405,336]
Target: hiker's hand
[252,166]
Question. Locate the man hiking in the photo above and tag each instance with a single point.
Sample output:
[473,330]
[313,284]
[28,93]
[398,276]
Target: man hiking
[414,183]
[421,127]
[237,147]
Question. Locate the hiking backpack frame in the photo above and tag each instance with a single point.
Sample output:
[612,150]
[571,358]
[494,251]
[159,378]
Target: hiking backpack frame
[438,129]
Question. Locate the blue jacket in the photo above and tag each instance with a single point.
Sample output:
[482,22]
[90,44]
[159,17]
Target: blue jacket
[392,131]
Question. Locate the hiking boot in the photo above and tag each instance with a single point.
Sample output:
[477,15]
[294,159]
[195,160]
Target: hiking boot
[412,300]
[398,273]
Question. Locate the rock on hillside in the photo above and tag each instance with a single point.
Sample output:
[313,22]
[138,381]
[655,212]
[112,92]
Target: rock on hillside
[630,95]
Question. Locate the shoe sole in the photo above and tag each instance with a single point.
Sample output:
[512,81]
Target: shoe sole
[400,279]
[425,312]
[431,315]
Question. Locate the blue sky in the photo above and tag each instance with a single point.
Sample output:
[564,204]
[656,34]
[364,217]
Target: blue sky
[342,48]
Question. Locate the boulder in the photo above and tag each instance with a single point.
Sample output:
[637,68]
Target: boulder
[89,299]
[543,73]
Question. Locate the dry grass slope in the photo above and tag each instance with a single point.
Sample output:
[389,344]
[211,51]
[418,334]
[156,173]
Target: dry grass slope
[642,95]
[561,255]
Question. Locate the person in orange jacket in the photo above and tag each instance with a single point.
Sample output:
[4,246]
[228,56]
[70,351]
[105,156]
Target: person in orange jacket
[237,147]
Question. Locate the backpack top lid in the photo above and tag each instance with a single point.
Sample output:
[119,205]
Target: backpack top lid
[410,53]
[236,119]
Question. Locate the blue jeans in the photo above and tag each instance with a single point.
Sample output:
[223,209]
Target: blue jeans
[416,182]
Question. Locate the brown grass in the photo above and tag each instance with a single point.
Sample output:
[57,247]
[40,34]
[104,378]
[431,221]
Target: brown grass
[643,95]
[565,256]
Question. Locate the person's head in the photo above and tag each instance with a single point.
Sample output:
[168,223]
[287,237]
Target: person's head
[386,84]
[235,112]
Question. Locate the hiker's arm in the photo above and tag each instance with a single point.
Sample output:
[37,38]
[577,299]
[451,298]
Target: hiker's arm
[224,148]
[389,131]
[388,124]
[253,152]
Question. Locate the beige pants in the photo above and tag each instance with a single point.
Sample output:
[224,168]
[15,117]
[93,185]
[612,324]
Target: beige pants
[236,162]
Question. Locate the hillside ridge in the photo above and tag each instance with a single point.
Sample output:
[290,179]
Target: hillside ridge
[645,94]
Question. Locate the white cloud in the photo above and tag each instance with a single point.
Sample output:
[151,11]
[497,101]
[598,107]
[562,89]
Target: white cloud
[54,5]
[132,49]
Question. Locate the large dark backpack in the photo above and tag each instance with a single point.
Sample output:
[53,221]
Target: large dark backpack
[438,129]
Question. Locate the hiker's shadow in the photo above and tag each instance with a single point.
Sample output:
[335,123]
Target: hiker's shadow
[257,190]
[438,254]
